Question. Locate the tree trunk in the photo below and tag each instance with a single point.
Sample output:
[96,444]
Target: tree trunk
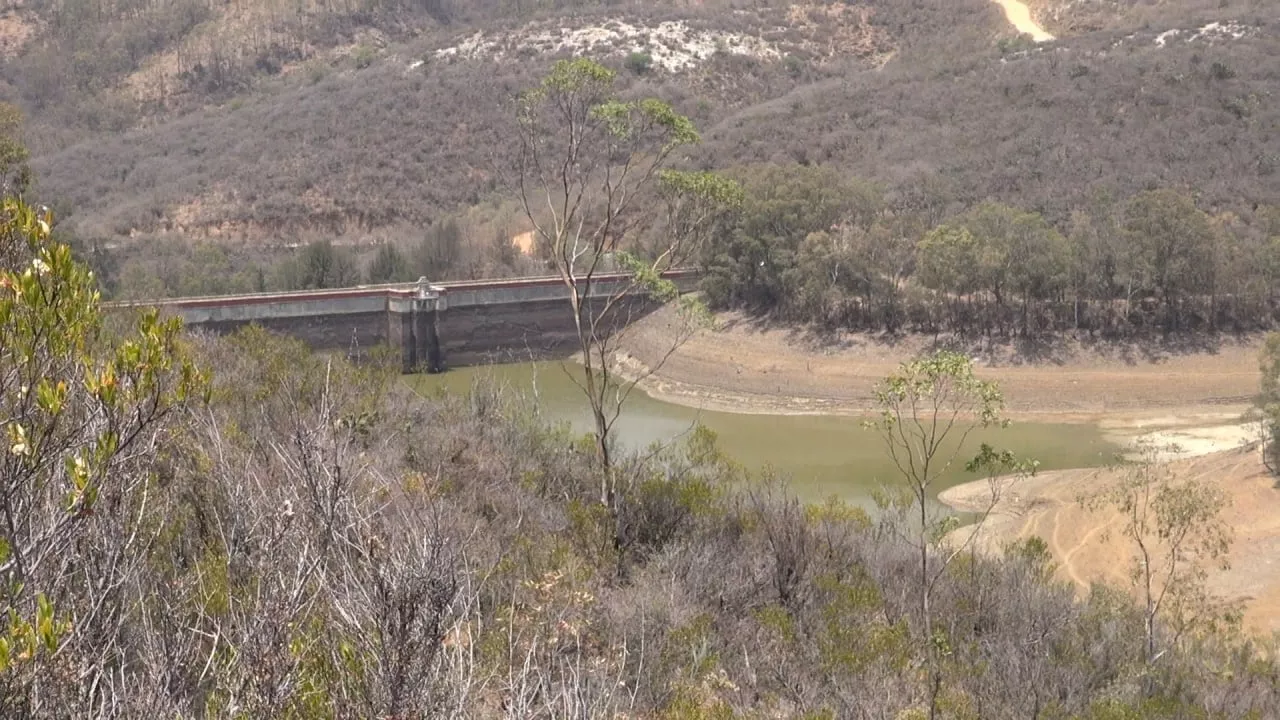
[935,677]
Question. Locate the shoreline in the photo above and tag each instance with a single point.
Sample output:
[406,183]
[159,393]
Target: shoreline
[1168,433]
[1208,413]
[1131,389]
[1194,396]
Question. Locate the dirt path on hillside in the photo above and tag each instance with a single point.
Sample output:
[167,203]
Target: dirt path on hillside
[1019,16]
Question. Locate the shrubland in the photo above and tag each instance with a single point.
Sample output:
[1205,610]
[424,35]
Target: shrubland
[236,527]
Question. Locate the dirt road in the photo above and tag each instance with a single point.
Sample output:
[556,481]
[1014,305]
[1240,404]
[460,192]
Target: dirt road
[1019,16]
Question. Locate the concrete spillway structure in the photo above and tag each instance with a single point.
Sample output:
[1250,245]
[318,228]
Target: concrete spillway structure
[431,324]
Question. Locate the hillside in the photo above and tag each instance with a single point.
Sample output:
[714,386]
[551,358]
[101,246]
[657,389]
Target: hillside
[417,128]
[367,123]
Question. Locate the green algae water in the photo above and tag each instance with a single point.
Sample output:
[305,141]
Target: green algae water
[823,455]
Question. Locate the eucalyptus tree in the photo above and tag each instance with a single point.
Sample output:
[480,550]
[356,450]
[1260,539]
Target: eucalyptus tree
[591,168]
[1177,533]
[1171,248]
[926,413]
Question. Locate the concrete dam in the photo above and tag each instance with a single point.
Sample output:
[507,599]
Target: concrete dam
[430,325]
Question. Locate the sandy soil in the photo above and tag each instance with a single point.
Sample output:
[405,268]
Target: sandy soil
[1184,403]
[523,242]
[1086,542]
[742,366]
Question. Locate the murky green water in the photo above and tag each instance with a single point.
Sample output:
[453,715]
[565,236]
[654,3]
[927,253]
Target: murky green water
[823,455]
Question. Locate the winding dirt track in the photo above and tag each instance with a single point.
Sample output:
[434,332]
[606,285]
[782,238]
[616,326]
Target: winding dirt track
[1085,541]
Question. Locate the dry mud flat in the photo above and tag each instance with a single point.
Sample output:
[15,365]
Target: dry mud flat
[743,367]
[1187,405]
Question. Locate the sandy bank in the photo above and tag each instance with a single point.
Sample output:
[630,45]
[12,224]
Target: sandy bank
[742,366]
[1086,543]
[1019,16]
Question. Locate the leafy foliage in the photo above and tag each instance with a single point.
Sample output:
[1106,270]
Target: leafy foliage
[808,246]
[83,413]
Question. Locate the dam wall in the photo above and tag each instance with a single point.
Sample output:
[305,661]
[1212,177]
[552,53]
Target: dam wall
[431,325]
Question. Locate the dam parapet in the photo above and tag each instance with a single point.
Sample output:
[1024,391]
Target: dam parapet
[431,325]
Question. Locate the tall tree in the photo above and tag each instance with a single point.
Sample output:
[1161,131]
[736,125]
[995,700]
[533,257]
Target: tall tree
[586,161]
[927,410]
[753,262]
[389,265]
[440,251]
[1097,264]
[1171,244]
[1177,532]
[1017,252]
[320,265]
[947,261]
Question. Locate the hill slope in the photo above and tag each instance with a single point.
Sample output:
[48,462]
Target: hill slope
[376,122]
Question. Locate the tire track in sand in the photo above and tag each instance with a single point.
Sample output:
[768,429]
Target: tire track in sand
[1070,569]
[1199,474]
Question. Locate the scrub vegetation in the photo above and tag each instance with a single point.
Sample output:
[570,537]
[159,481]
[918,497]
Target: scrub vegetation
[235,527]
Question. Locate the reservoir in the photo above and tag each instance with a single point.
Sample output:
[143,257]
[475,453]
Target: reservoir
[823,455]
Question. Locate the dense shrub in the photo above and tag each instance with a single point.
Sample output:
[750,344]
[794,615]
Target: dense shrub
[638,62]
